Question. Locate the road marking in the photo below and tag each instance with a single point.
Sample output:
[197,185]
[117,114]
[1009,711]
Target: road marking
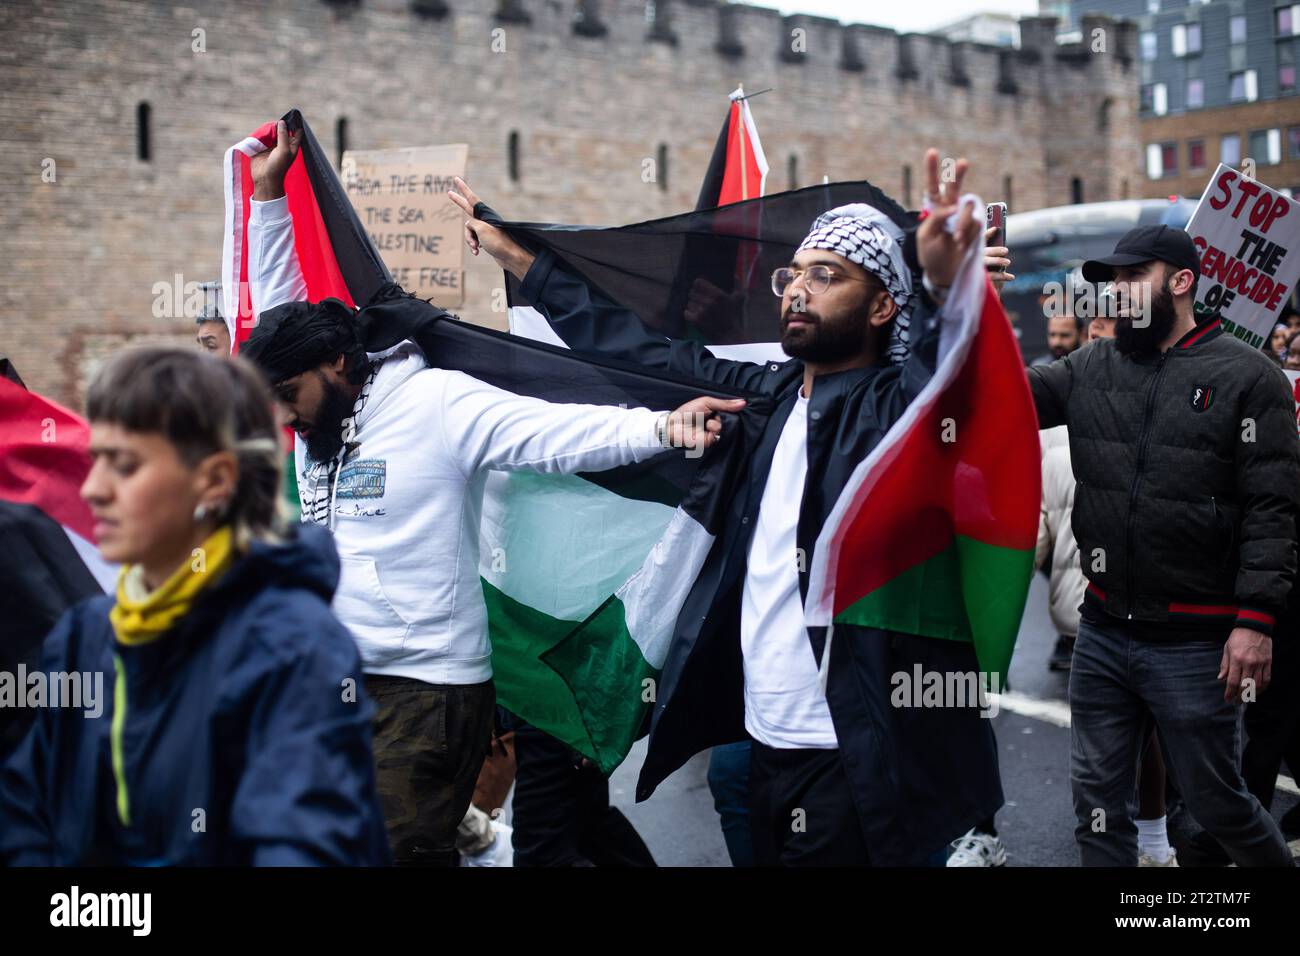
[1057,713]
[1050,711]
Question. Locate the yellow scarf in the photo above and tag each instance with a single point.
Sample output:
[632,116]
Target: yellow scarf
[141,616]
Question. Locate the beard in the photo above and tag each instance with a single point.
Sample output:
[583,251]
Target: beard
[1138,341]
[326,436]
[823,342]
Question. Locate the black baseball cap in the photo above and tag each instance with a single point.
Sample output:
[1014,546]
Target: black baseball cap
[1146,244]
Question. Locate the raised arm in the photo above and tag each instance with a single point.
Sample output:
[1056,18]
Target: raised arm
[275,276]
[585,319]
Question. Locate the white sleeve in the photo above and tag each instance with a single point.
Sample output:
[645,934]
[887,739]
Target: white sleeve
[488,427]
[274,275]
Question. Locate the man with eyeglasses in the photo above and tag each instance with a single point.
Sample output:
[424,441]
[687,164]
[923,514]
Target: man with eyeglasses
[836,776]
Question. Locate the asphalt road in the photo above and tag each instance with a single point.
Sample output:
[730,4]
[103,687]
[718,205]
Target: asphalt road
[1036,824]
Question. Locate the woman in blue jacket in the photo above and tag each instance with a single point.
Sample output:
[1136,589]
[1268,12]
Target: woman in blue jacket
[231,728]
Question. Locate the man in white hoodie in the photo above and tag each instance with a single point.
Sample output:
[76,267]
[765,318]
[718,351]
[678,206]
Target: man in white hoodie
[392,455]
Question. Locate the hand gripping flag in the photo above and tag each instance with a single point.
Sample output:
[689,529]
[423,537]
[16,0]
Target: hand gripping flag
[935,532]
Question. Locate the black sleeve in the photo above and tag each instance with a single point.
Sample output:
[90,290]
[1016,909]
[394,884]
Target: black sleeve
[589,322]
[1268,488]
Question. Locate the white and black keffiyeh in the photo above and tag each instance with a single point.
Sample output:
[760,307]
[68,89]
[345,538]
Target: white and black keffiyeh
[865,235]
[317,505]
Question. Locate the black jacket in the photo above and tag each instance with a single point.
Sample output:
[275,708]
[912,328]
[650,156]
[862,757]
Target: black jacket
[920,777]
[1188,472]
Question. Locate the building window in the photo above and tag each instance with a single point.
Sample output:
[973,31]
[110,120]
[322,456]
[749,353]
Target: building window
[1195,94]
[341,138]
[1076,190]
[1242,87]
[1155,99]
[1288,20]
[1153,6]
[907,186]
[1006,186]
[1286,79]
[512,155]
[792,170]
[1162,160]
[1293,142]
[1237,29]
[662,163]
[143,133]
[1148,42]
[1186,38]
[1266,146]
[1196,154]
[1230,150]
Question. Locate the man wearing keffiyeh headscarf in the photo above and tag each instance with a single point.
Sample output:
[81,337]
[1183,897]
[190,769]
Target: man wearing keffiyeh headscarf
[862,782]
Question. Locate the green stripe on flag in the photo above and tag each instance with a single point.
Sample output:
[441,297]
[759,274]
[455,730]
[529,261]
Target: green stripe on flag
[970,591]
[520,636]
[611,681]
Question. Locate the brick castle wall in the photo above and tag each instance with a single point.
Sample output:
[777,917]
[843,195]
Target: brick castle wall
[590,96]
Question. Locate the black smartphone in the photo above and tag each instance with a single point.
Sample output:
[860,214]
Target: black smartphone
[997,219]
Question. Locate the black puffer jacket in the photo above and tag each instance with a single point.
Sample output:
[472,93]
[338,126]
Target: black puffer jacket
[1188,472]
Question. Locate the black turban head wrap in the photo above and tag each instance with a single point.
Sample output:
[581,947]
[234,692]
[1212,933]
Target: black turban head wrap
[289,339]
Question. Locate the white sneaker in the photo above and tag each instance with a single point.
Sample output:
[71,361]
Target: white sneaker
[1145,860]
[978,849]
[499,852]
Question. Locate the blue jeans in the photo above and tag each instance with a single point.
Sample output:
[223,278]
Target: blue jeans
[729,784]
[1119,686]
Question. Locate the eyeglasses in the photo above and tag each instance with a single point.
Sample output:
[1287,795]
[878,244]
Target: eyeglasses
[816,279]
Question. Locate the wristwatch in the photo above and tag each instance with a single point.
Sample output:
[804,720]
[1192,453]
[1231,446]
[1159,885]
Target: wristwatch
[937,292]
[661,430]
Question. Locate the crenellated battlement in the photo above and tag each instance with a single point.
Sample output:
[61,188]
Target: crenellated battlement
[596,111]
[761,38]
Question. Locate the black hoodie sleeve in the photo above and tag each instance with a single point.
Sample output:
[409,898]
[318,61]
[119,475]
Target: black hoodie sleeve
[1268,490]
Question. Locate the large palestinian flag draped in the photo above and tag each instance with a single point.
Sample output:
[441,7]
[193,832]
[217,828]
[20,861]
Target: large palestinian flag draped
[582,575]
[935,532]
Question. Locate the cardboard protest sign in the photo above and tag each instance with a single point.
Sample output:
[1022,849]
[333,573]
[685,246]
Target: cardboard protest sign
[400,196]
[1248,237]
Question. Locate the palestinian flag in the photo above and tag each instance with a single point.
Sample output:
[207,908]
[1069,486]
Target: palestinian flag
[935,532]
[738,167]
[582,575]
[680,274]
[47,560]
[336,257]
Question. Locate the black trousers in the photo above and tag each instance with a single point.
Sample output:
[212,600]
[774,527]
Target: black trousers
[561,812]
[1273,721]
[801,809]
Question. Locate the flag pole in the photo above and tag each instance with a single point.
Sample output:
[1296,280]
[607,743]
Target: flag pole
[740,138]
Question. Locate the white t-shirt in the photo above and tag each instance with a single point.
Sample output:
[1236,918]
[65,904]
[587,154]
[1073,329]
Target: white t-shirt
[784,704]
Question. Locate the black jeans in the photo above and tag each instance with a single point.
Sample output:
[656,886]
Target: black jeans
[561,813]
[801,809]
[1119,686]
[430,741]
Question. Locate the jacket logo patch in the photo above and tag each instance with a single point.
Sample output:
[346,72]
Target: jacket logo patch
[1202,397]
[363,478]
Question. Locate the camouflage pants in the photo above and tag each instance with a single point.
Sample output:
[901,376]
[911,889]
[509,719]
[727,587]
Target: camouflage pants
[429,742]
